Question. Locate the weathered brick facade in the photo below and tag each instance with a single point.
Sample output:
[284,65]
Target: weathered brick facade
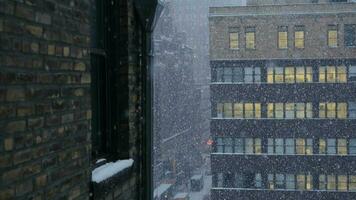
[45,99]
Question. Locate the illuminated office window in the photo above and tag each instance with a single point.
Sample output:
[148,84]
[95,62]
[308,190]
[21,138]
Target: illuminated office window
[249,110]
[331,182]
[257,110]
[309,147]
[300,110]
[238,110]
[341,74]
[299,37]
[352,183]
[301,182]
[300,146]
[289,75]
[290,110]
[322,74]
[342,110]
[322,146]
[309,110]
[309,185]
[270,110]
[331,110]
[234,40]
[332,36]
[279,110]
[228,110]
[322,182]
[322,110]
[270,74]
[250,38]
[342,183]
[309,74]
[258,146]
[331,74]
[278,75]
[300,74]
[341,147]
[283,37]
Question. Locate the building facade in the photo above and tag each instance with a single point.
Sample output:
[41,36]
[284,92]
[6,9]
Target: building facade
[283,100]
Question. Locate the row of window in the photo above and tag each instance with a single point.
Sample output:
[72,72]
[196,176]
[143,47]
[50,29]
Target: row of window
[299,37]
[301,181]
[286,146]
[288,74]
[286,110]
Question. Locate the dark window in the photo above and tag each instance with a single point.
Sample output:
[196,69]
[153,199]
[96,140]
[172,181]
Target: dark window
[350,35]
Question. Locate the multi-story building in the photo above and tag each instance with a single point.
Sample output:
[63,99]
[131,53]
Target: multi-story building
[283,98]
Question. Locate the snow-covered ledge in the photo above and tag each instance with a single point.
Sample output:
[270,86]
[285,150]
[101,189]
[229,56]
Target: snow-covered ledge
[109,170]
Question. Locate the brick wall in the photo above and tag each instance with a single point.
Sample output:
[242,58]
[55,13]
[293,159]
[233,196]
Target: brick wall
[45,107]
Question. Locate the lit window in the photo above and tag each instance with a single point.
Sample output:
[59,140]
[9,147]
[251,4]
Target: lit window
[234,40]
[301,182]
[228,110]
[322,110]
[309,147]
[238,110]
[300,75]
[278,75]
[270,74]
[341,147]
[300,146]
[270,110]
[331,74]
[300,110]
[322,146]
[249,110]
[341,74]
[342,183]
[322,74]
[257,110]
[352,183]
[290,110]
[342,110]
[279,110]
[332,36]
[250,38]
[299,37]
[309,74]
[331,182]
[283,38]
[309,110]
[289,75]
[258,146]
[331,110]
[309,185]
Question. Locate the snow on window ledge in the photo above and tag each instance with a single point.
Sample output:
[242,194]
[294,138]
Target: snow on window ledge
[110,169]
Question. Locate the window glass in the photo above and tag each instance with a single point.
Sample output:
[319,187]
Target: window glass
[257,110]
[300,75]
[309,185]
[257,75]
[278,75]
[352,110]
[279,146]
[289,75]
[309,110]
[228,110]
[341,74]
[248,74]
[238,110]
[322,146]
[239,180]
[234,40]
[322,74]
[322,110]
[342,183]
[220,180]
[352,183]
[331,146]
[299,39]
[300,110]
[239,145]
[219,110]
[279,110]
[220,145]
[250,40]
[342,110]
[280,181]
[270,146]
[290,146]
[331,74]
[331,182]
[258,180]
[290,181]
[258,146]
[270,74]
[270,110]
[332,38]
[342,147]
[309,74]
[249,110]
[270,179]
[219,74]
[322,182]
[352,73]
[309,147]
[301,182]
[282,39]
[228,74]
[300,146]
[238,75]
[228,145]
[352,146]
[249,146]
[290,110]
[331,110]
